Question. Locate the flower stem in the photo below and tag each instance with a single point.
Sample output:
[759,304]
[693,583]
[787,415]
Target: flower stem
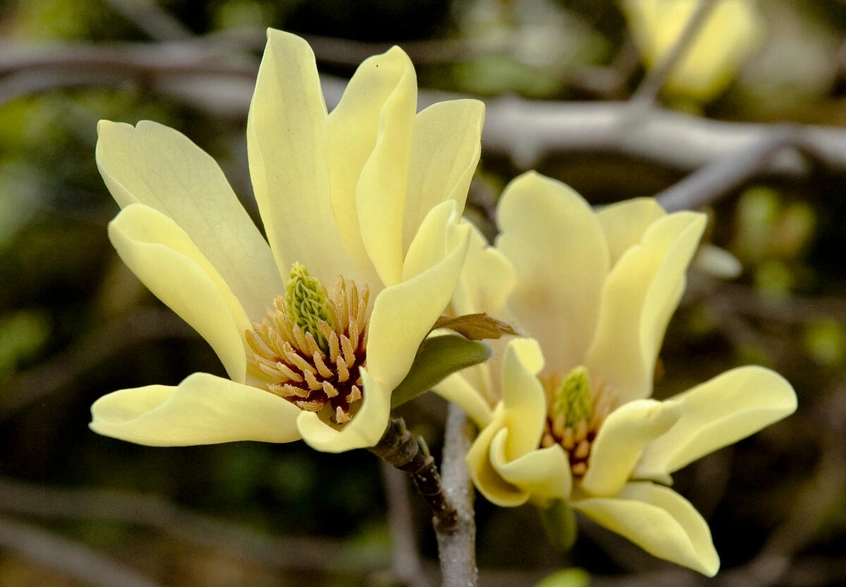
[457,547]
[400,449]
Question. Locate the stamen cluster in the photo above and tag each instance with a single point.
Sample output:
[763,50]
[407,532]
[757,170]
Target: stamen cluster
[575,432]
[317,371]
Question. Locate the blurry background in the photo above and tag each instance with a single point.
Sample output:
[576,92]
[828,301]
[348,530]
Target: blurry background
[77,509]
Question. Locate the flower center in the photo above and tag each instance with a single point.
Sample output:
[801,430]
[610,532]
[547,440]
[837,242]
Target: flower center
[575,411]
[312,345]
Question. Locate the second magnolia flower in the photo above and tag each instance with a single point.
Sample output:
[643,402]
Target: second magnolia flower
[367,197]
[567,414]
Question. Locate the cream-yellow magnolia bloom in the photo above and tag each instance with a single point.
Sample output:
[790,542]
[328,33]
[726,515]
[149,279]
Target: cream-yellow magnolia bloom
[371,193]
[572,418]
[733,31]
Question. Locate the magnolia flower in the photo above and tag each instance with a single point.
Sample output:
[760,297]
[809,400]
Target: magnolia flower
[571,417]
[733,31]
[361,208]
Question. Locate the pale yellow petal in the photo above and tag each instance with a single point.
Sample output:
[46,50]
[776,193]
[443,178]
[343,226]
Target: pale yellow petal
[363,431]
[159,167]
[439,233]
[543,473]
[622,439]
[556,244]
[170,265]
[404,314]
[444,154]
[380,196]
[625,222]
[717,413]
[458,390]
[523,397]
[488,278]
[203,409]
[640,294]
[732,32]
[288,163]
[350,137]
[485,477]
[658,520]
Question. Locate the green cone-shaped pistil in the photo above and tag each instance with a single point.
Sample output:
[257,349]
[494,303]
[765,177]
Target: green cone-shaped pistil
[307,303]
[572,398]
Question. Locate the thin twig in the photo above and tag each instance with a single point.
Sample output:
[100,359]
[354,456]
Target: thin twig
[399,448]
[726,174]
[151,511]
[527,132]
[67,557]
[648,91]
[457,545]
[406,562]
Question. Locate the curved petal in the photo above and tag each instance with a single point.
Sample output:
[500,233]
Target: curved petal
[444,153]
[717,413]
[363,431]
[380,194]
[203,409]
[404,314]
[350,136]
[485,477]
[167,262]
[523,397]
[640,294]
[287,162]
[625,222]
[559,252]
[439,233]
[161,168]
[658,520]
[458,390]
[543,474]
[486,280]
[622,439]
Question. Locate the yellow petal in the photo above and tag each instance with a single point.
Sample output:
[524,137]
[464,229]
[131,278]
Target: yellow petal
[380,196]
[658,520]
[733,30]
[170,265]
[350,137]
[159,167]
[486,280]
[458,390]
[622,439]
[523,397]
[444,154]
[363,431]
[543,474]
[404,314]
[287,160]
[439,233]
[485,477]
[640,294]
[556,245]
[625,222]
[717,413]
[203,409]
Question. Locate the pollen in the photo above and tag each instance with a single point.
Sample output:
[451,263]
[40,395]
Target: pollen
[573,422]
[313,359]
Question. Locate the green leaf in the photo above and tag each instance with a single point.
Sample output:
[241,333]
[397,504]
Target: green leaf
[475,326]
[439,357]
[560,524]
